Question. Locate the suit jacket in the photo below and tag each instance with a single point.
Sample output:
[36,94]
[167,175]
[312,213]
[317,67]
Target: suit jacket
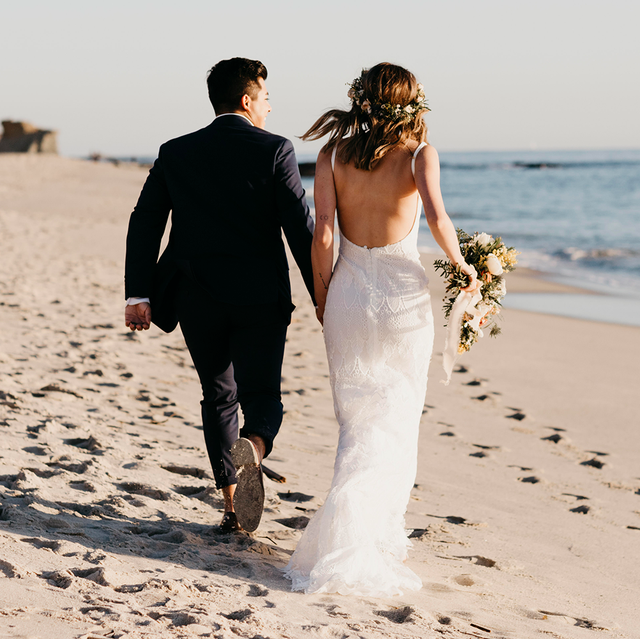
[232,189]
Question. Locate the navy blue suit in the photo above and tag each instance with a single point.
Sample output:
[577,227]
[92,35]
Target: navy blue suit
[231,189]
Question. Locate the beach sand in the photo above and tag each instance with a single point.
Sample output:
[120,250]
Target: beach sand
[525,515]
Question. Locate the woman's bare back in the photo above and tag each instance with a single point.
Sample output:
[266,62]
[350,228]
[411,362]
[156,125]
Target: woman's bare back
[377,208]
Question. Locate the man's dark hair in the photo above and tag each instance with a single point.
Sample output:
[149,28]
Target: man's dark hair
[230,79]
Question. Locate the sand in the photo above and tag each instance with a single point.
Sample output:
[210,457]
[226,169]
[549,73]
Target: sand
[525,515]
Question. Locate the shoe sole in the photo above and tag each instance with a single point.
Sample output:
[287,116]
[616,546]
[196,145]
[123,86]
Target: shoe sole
[248,499]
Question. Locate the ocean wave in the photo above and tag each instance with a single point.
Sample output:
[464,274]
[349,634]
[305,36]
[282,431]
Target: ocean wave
[575,254]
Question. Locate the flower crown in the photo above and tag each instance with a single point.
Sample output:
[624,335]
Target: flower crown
[393,112]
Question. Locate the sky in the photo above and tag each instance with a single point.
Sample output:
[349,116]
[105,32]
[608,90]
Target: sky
[121,77]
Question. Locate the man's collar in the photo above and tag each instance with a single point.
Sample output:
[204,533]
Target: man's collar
[240,115]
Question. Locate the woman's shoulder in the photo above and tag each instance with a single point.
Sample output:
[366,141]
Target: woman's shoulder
[427,153]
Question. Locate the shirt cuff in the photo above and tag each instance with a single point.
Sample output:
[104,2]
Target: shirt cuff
[132,301]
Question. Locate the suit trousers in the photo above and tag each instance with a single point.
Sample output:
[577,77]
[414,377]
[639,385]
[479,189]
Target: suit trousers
[237,351]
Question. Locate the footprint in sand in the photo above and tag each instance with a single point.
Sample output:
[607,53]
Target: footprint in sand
[59,578]
[486,447]
[98,373]
[56,388]
[555,438]
[594,463]
[161,534]
[529,480]
[582,510]
[464,580]
[190,491]
[524,469]
[238,615]
[134,488]
[90,444]
[84,510]
[297,523]
[453,519]
[85,486]
[191,471]
[492,397]
[41,451]
[74,467]
[54,546]
[580,622]
[479,560]
[419,533]
[518,415]
[257,591]
[577,497]
[483,452]
[297,498]
[397,615]
[334,611]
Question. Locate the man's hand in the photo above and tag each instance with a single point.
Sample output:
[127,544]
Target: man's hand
[138,316]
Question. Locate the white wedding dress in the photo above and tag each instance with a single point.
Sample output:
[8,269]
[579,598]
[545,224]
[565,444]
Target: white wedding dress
[378,331]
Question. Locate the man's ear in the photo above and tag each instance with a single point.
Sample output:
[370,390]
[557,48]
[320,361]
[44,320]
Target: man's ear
[246,102]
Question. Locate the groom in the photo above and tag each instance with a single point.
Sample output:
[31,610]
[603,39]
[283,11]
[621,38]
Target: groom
[231,189]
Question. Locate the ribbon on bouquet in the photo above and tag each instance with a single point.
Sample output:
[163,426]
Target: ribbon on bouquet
[465,303]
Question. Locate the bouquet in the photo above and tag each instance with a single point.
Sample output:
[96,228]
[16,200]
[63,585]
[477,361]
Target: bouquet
[468,313]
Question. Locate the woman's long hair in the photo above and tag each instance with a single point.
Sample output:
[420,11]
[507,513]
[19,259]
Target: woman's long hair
[365,133]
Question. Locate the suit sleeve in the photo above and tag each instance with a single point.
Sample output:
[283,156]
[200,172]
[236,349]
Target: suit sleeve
[146,228]
[295,219]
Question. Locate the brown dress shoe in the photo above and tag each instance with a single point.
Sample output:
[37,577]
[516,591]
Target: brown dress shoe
[230,523]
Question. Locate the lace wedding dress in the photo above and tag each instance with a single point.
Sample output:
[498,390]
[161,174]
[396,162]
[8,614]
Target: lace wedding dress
[378,330]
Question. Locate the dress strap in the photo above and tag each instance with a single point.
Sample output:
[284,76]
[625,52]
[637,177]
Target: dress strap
[333,159]
[415,155]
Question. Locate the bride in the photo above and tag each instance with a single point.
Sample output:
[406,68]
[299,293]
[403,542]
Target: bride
[378,328]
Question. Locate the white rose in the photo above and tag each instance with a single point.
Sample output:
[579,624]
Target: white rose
[483,239]
[493,264]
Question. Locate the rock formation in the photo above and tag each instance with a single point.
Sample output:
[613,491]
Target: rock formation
[22,137]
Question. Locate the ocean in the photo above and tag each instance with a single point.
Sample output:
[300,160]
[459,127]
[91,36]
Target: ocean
[574,215]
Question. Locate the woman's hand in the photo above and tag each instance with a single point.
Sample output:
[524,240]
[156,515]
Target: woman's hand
[470,272]
[320,314]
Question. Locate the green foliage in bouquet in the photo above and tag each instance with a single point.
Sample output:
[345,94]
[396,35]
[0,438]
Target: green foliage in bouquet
[491,259]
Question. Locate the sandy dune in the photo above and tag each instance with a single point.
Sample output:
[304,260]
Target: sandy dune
[525,514]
